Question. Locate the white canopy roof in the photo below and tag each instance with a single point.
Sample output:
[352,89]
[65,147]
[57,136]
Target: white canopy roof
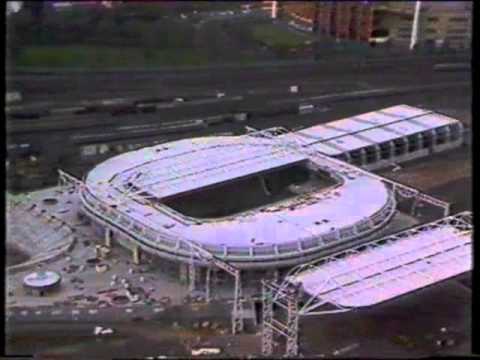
[392,266]
[375,127]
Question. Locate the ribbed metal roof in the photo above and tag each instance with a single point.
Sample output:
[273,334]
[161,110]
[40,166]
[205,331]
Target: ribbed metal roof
[393,266]
[370,128]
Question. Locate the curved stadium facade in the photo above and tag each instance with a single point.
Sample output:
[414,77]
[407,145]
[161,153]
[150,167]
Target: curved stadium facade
[255,201]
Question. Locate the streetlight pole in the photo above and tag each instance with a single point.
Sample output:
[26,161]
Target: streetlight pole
[274,9]
[416,17]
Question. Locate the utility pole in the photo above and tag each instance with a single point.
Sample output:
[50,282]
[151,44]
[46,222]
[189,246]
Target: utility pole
[416,18]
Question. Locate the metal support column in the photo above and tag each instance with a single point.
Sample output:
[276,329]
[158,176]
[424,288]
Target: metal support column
[446,210]
[237,316]
[191,277]
[363,156]
[391,146]
[414,206]
[267,312]
[276,275]
[136,255]
[285,298]
[378,153]
[207,284]
[183,273]
[108,237]
[292,324]
[191,271]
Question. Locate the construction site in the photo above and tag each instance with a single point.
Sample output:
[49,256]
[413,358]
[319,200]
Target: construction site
[312,207]
[274,226]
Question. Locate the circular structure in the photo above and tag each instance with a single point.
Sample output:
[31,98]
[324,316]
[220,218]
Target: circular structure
[246,199]
[41,281]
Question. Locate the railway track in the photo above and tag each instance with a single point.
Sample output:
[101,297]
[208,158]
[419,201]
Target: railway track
[193,118]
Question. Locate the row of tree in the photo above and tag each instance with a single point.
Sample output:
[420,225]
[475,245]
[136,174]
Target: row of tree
[118,27]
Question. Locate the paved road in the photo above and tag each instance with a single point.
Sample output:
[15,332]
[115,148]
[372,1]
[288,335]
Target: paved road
[366,332]
[180,314]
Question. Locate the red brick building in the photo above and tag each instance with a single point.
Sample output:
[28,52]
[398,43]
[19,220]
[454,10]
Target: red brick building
[443,21]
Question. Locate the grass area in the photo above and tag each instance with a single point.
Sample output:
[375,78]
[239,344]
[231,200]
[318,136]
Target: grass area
[276,36]
[11,197]
[105,57]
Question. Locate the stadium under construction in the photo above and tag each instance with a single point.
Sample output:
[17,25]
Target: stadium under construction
[299,210]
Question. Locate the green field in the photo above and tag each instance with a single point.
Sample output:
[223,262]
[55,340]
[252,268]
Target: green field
[275,36]
[106,57]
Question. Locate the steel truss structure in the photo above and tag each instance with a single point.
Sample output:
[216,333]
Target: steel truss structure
[287,143]
[198,253]
[436,251]
[287,299]
[66,179]
[285,138]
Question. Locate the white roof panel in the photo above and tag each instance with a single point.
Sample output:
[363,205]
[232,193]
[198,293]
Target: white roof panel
[321,132]
[349,142]
[435,120]
[380,135]
[398,266]
[327,150]
[405,128]
[350,125]
[403,111]
[163,173]
[360,124]
[217,173]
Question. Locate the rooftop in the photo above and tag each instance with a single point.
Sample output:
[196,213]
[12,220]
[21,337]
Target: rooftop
[366,129]
[393,266]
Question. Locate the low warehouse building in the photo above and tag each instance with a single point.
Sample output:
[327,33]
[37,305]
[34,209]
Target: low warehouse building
[380,138]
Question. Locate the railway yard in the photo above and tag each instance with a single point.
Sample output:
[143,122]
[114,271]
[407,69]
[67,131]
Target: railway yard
[75,121]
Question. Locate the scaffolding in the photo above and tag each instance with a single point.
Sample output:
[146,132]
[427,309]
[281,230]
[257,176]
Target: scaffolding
[396,265]
[285,298]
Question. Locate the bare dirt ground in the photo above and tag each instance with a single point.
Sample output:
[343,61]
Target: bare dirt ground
[407,327]
[15,255]
[447,176]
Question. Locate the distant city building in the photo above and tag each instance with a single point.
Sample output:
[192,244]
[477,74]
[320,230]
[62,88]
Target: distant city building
[13,6]
[442,23]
